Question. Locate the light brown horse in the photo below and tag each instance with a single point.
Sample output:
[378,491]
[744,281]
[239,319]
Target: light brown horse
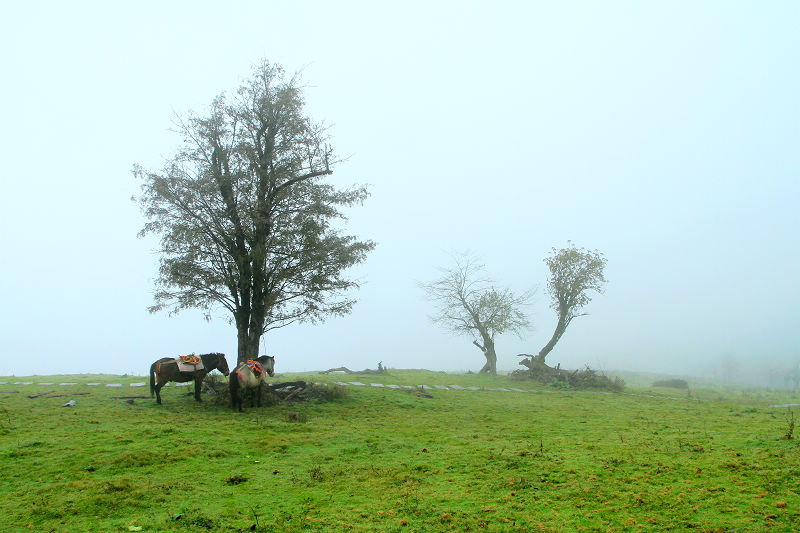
[166,369]
[243,378]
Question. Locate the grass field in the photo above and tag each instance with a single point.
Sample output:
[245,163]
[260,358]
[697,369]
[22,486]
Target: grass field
[379,459]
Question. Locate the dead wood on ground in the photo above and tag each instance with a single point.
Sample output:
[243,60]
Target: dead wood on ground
[381,370]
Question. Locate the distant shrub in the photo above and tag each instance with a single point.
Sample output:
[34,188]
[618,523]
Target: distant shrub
[672,383]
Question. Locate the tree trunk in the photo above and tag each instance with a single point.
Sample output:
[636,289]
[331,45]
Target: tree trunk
[491,357]
[250,314]
[491,364]
[248,343]
[561,327]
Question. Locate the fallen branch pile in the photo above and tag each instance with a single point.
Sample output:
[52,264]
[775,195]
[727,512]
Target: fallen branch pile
[290,390]
[381,370]
[276,393]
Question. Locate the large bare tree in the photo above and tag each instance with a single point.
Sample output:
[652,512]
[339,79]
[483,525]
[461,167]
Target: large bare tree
[468,303]
[574,272]
[245,220]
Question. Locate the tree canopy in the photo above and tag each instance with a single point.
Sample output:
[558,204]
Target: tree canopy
[469,303]
[245,219]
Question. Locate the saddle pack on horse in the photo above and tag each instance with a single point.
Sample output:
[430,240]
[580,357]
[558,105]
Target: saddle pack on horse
[255,366]
[186,363]
[189,363]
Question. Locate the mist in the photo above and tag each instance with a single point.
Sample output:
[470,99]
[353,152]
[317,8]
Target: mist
[664,136]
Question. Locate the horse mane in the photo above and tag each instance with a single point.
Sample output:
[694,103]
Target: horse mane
[206,358]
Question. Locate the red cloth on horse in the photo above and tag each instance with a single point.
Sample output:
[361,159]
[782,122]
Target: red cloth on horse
[255,366]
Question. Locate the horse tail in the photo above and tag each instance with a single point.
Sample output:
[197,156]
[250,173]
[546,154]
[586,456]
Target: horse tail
[152,380]
[234,386]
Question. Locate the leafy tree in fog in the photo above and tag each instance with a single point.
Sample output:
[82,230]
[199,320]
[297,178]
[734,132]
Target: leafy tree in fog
[469,303]
[574,272]
[245,219]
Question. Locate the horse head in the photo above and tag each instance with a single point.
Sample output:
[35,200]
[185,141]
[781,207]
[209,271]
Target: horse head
[268,363]
[222,364]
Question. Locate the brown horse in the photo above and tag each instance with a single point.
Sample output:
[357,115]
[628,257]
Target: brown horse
[167,369]
[244,377]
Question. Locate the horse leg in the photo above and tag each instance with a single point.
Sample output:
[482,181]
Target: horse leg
[255,401]
[158,391]
[198,383]
[241,396]
[152,379]
[258,391]
[235,389]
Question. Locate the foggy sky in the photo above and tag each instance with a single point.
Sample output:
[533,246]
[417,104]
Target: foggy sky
[663,134]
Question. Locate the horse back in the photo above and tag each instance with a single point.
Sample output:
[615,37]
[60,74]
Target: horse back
[167,370]
[247,378]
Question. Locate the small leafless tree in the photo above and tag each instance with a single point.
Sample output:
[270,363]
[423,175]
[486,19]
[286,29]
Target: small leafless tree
[469,303]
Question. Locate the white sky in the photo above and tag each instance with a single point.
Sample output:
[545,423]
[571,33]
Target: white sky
[663,134]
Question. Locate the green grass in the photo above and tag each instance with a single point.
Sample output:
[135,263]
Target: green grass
[394,460]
